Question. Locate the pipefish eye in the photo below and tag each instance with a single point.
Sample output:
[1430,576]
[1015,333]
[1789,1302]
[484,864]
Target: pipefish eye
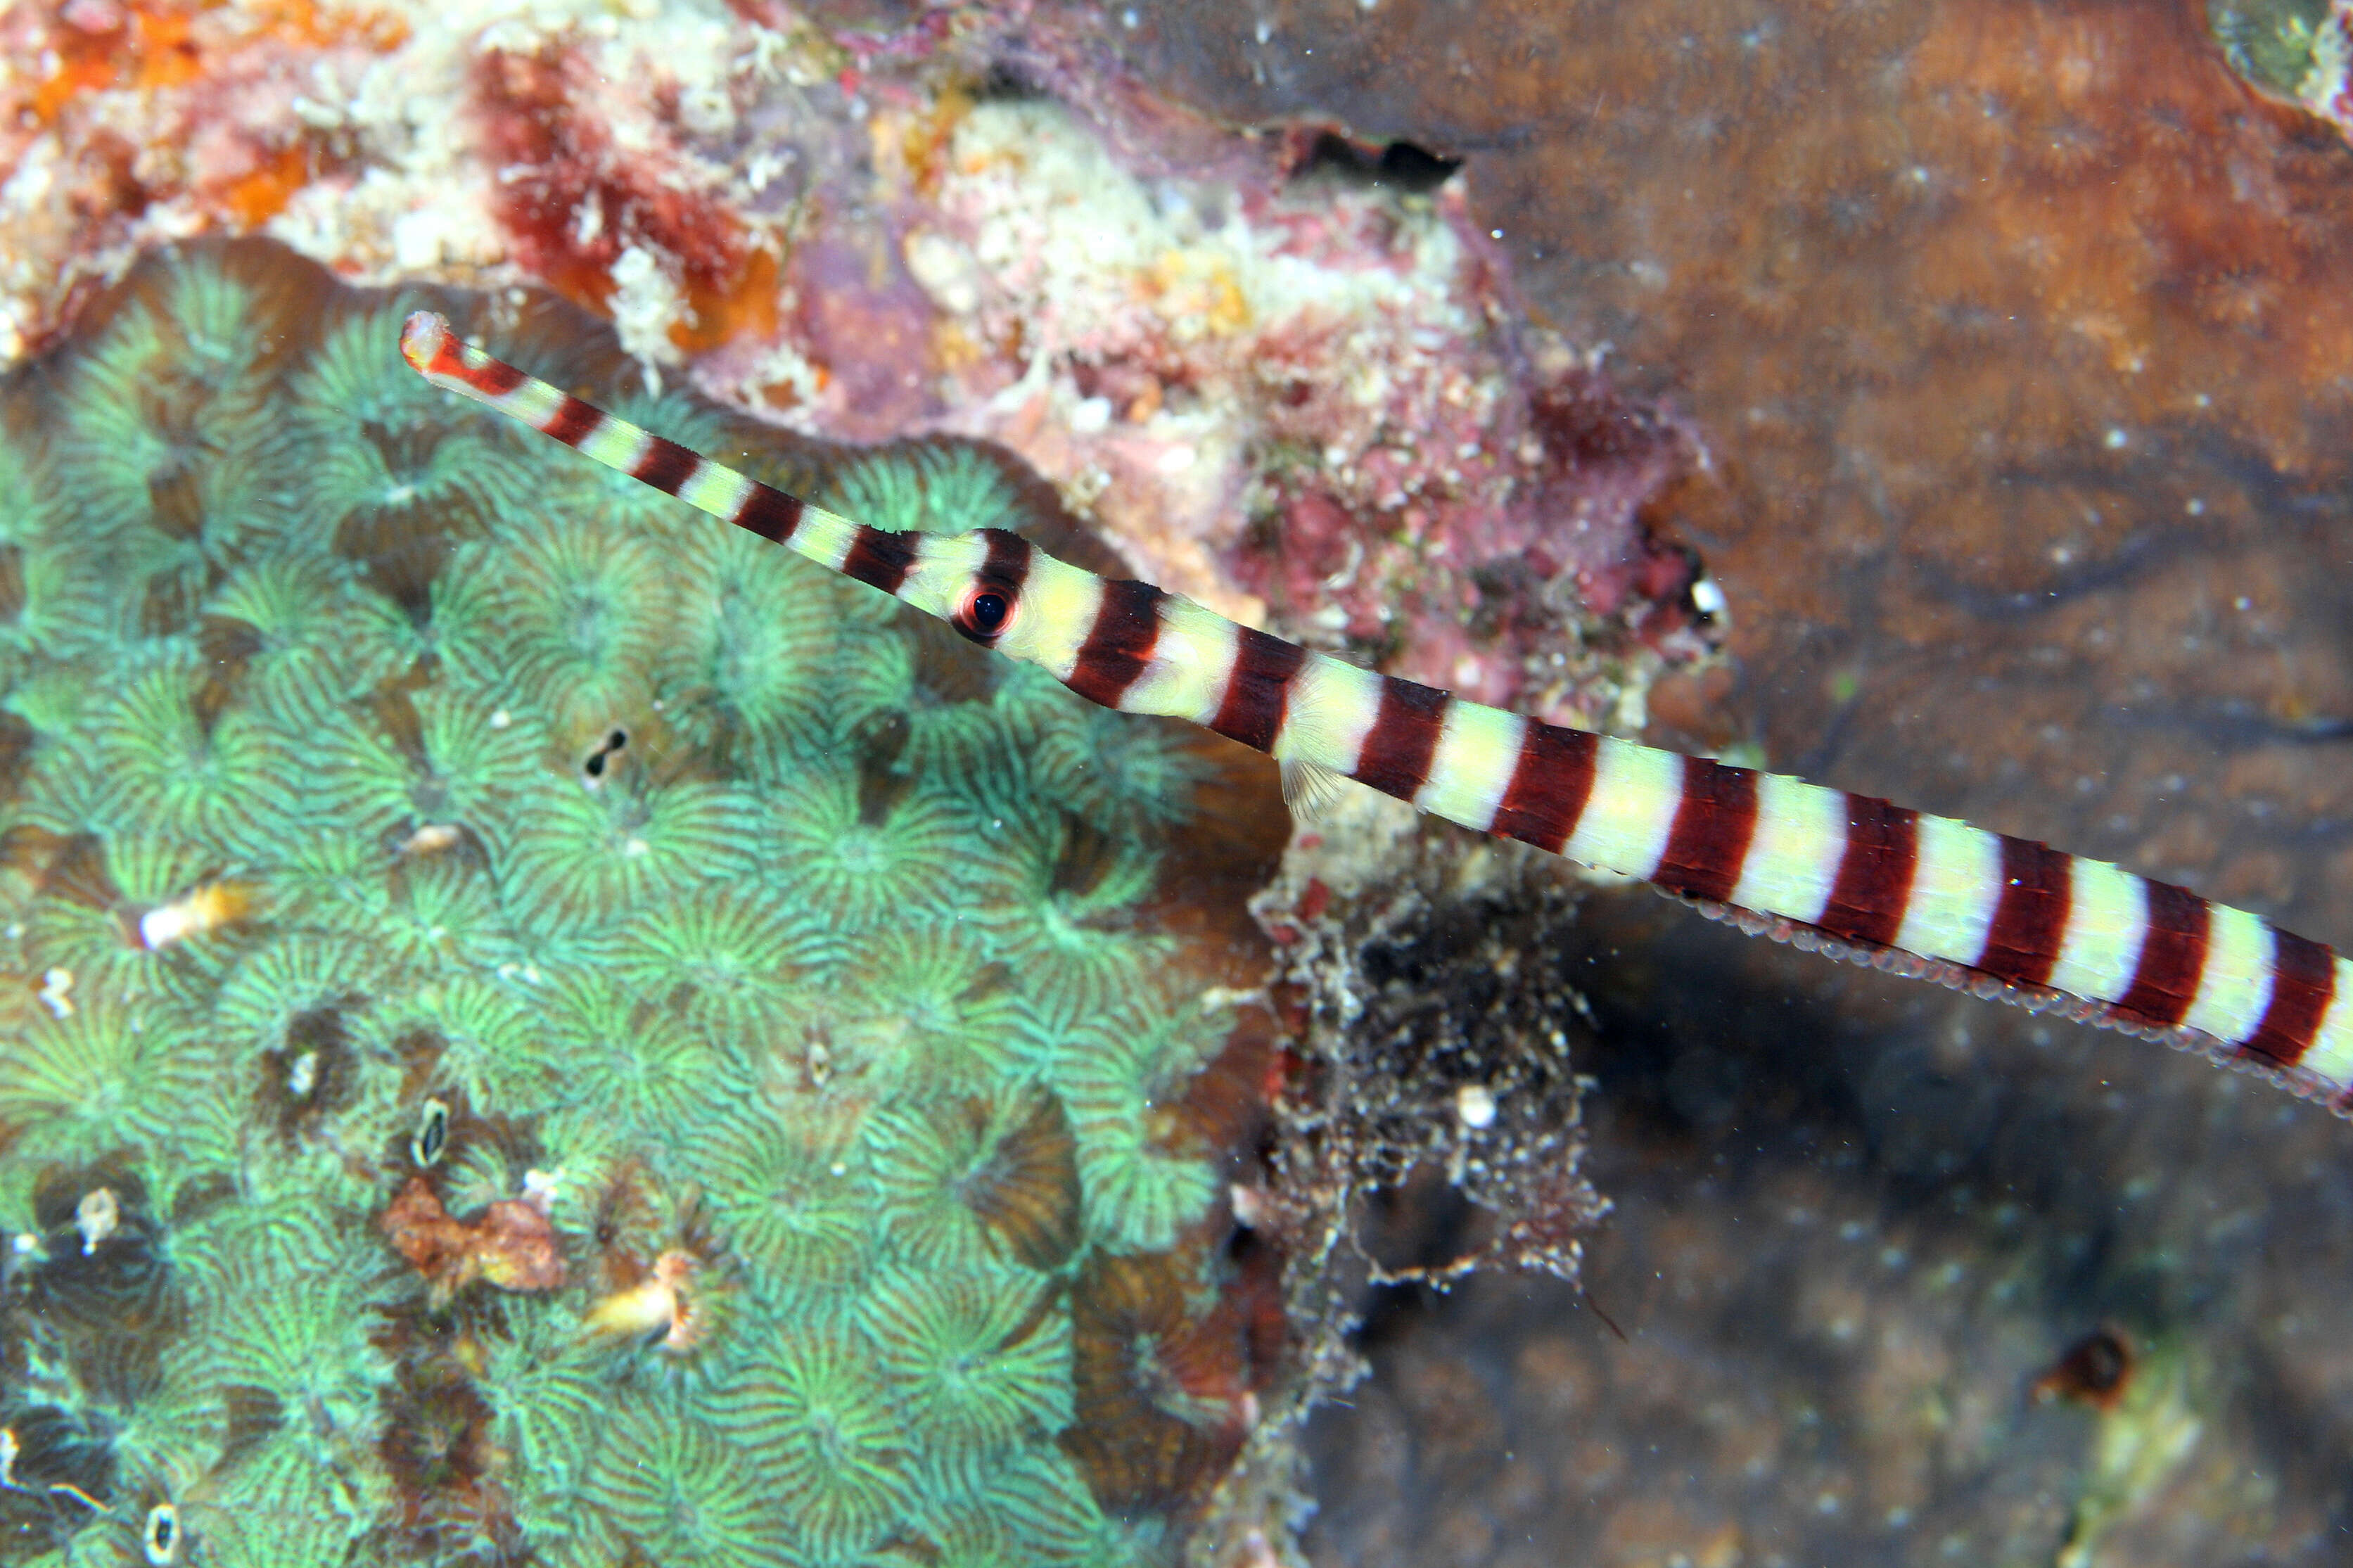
[986,613]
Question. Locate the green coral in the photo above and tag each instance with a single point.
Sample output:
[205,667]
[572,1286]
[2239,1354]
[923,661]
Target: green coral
[863,863]
[2277,43]
[982,1359]
[726,914]
[795,1204]
[929,490]
[829,1426]
[672,1486]
[1118,1079]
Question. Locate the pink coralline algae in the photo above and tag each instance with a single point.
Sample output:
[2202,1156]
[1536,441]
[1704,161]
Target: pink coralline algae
[1454,562]
[1289,377]
[1288,388]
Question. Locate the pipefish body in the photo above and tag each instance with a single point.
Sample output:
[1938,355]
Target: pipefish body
[1845,874]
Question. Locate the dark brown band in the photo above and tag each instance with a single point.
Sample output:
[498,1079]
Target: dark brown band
[2172,956]
[1874,875]
[1120,644]
[2030,923]
[1396,756]
[880,558]
[2303,981]
[1259,690]
[1714,824]
[1550,784]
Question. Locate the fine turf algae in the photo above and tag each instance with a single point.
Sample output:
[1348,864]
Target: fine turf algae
[541,1030]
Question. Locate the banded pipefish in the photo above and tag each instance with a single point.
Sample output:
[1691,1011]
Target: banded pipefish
[1846,875]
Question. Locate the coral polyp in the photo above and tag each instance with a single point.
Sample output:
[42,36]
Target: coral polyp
[672,1486]
[534,1025]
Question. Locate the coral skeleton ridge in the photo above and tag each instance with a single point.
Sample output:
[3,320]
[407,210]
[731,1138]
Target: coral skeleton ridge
[541,1030]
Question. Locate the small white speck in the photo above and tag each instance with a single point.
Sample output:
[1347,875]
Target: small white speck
[502,719]
[2116,439]
[2195,506]
[57,991]
[1494,233]
[1130,20]
[97,1216]
[2242,603]
[1475,1104]
[1265,31]
[1175,460]
[2203,401]
[1706,598]
[431,839]
[161,927]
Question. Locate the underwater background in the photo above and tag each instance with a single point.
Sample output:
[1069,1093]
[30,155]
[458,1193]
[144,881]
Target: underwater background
[536,1032]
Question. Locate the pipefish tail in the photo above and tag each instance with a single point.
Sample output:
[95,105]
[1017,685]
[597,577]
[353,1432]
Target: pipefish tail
[1844,874]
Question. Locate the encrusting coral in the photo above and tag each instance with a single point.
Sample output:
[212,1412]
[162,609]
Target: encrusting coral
[540,1029]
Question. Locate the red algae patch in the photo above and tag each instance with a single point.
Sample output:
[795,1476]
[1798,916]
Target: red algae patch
[510,1244]
[127,121]
[596,220]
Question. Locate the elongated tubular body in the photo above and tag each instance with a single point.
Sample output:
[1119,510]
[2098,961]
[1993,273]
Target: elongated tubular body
[1846,874]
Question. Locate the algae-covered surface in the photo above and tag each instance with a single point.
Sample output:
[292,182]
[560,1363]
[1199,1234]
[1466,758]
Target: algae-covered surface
[543,1029]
